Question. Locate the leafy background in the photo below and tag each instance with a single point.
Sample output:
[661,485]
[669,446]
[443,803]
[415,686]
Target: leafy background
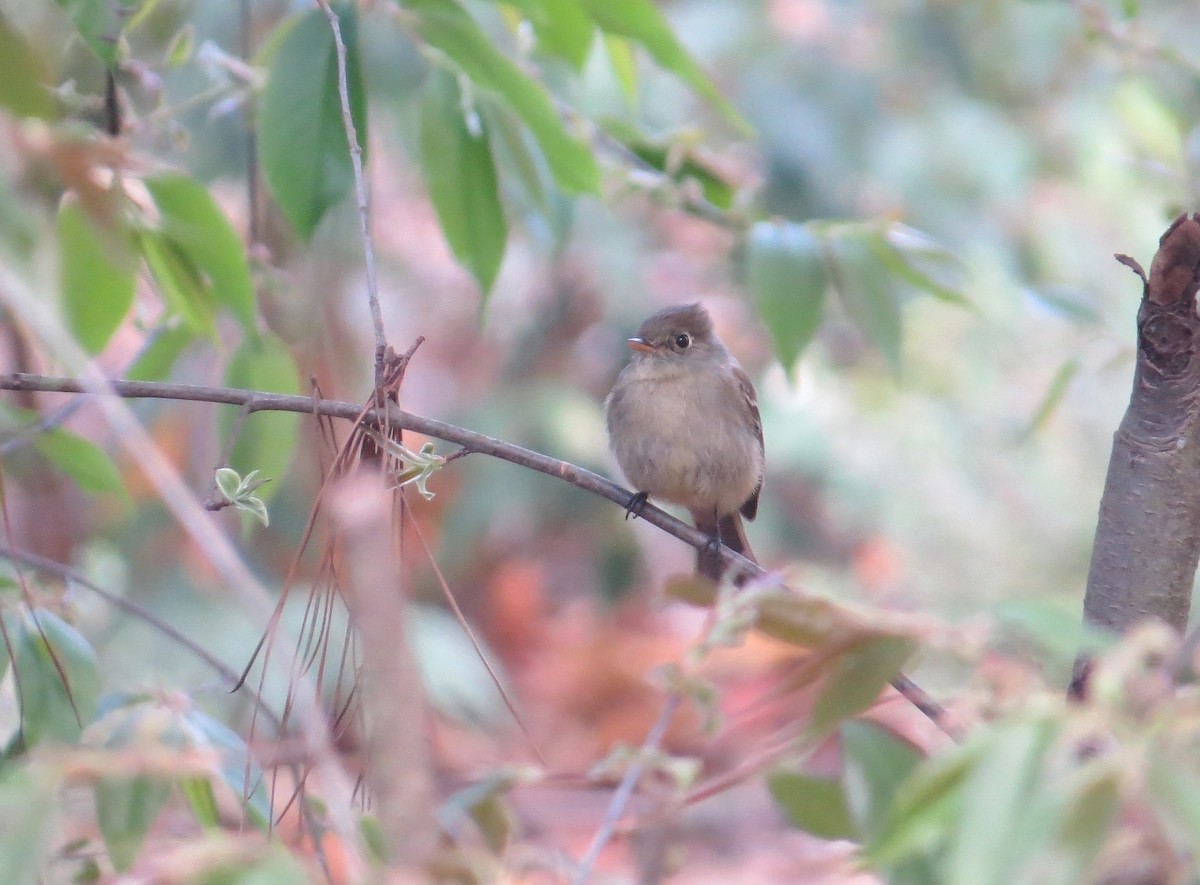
[902,216]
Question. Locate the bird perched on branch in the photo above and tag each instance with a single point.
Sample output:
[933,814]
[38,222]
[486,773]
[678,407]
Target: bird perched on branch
[683,423]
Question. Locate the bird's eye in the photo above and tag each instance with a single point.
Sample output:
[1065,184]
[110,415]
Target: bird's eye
[682,340]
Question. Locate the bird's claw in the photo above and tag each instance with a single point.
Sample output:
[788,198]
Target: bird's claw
[636,503]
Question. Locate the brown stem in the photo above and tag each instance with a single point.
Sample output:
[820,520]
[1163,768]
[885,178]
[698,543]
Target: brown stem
[396,417]
[1148,535]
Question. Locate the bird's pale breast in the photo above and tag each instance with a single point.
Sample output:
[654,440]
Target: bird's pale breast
[685,440]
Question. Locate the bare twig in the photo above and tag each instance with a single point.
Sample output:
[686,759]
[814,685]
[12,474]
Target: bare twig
[624,791]
[396,417]
[360,188]
[470,441]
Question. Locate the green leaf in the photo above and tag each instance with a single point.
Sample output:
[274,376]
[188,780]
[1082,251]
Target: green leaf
[461,178]
[96,274]
[866,291]
[674,157]
[856,679]
[995,805]
[178,282]
[921,261]
[564,30]
[191,220]
[238,771]
[28,803]
[813,804]
[446,26]
[876,763]
[181,48]
[266,439]
[160,353]
[1055,391]
[202,800]
[302,139]
[641,22]
[1175,794]
[99,22]
[125,809]
[57,676]
[624,66]
[83,461]
[924,808]
[23,79]
[1091,808]
[785,269]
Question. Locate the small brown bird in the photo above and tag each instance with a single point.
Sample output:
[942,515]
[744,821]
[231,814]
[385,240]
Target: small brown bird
[683,423]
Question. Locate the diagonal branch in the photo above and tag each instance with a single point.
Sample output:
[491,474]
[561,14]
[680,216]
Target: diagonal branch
[471,442]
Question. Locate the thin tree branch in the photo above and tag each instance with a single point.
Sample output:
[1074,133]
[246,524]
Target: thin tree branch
[360,188]
[469,440]
[177,636]
[259,401]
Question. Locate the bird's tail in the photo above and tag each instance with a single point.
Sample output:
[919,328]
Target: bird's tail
[732,534]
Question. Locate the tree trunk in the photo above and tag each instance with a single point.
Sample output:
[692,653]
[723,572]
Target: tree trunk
[1148,535]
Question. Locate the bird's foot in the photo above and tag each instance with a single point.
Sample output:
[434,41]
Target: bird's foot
[634,508]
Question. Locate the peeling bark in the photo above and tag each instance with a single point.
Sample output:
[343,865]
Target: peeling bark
[1148,535]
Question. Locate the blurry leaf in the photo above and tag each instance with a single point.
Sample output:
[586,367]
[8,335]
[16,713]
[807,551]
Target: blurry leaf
[125,809]
[158,356]
[564,30]
[642,22]
[673,157]
[302,139]
[456,680]
[1150,121]
[192,221]
[200,798]
[1174,794]
[447,27]
[1059,385]
[372,835]
[995,809]
[57,676]
[83,461]
[99,22]
[925,807]
[512,153]
[624,65]
[813,804]
[1072,303]
[857,678]
[863,284]
[265,439]
[23,88]
[28,804]
[461,179]
[919,260]
[1090,811]
[182,45]
[875,763]
[96,273]
[483,803]
[180,286]
[785,268]
[1054,625]
[239,772]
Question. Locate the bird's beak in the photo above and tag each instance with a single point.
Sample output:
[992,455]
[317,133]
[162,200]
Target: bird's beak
[641,345]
